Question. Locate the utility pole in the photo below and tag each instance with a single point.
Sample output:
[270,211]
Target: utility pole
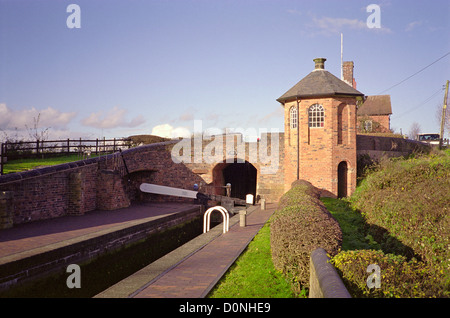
[444,109]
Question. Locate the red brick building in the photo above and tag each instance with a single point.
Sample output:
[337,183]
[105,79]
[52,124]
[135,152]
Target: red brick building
[374,114]
[320,132]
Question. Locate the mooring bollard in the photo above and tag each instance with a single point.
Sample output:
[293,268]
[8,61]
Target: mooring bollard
[243,218]
[263,204]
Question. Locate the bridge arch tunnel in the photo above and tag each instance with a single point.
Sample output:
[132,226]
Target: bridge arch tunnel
[242,176]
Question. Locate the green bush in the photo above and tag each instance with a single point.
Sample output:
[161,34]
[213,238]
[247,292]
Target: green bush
[406,204]
[300,225]
[399,277]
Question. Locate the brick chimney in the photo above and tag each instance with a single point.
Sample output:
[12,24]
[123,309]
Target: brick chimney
[348,74]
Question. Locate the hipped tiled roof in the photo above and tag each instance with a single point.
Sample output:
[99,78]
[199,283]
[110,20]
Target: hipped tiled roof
[319,83]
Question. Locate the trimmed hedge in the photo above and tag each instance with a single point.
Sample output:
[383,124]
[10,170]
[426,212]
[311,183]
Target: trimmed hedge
[301,224]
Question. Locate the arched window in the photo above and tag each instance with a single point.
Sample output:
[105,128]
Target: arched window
[368,126]
[293,117]
[316,116]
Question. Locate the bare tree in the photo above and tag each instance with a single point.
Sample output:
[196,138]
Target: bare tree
[414,130]
[447,118]
[36,133]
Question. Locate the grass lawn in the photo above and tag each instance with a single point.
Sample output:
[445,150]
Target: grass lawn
[253,274]
[352,224]
[31,163]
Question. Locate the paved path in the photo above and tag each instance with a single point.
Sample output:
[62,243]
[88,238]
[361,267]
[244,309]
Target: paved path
[195,275]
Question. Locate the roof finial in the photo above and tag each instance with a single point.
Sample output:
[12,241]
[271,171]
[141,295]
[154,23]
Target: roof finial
[320,63]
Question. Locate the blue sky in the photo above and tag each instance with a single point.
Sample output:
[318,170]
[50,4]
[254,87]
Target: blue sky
[136,65]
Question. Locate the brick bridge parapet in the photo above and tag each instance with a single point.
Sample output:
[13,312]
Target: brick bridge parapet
[112,181]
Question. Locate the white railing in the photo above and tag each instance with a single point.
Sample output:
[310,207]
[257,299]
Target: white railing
[207,218]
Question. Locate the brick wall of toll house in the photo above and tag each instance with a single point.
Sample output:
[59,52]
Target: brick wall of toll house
[101,183]
[322,149]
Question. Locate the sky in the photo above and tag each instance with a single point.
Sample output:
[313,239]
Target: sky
[118,68]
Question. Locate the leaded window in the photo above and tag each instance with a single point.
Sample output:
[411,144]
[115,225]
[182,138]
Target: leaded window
[293,117]
[316,116]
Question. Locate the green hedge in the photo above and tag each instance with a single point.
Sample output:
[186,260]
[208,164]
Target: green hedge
[406,205]
[299,225]
[409,200]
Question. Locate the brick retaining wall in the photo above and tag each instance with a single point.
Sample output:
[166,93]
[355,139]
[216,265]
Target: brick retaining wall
[42,261]
[377,146]
[76,188]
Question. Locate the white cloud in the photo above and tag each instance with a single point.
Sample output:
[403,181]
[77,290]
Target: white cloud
[333,26]
[294,12]
[337,24]
[111,119]
[411,26]
[21,119]
[167,131]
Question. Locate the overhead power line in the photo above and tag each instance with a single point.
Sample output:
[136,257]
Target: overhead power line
[419,105]
[448,53]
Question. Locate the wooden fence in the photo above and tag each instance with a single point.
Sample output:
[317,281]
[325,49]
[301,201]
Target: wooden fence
[47,148]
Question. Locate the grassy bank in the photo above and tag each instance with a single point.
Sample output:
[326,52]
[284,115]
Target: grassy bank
[31,163]
[410,200]
[353,225]
[403,226]
[253,274]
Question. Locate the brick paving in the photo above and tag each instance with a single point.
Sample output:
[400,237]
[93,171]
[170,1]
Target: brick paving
[196,275]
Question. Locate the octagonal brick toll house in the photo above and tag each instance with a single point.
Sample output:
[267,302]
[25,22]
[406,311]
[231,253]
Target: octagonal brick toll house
[320,132]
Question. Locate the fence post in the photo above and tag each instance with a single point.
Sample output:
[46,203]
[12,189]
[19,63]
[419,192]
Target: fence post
[1,158]
[68,146]
[96,146]
[114,145]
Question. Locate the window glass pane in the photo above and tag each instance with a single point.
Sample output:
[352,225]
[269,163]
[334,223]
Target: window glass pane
[316,116]
[293,117]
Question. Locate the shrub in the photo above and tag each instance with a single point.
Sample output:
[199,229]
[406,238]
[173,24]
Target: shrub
[399,277]
[300,225]
[410,199]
